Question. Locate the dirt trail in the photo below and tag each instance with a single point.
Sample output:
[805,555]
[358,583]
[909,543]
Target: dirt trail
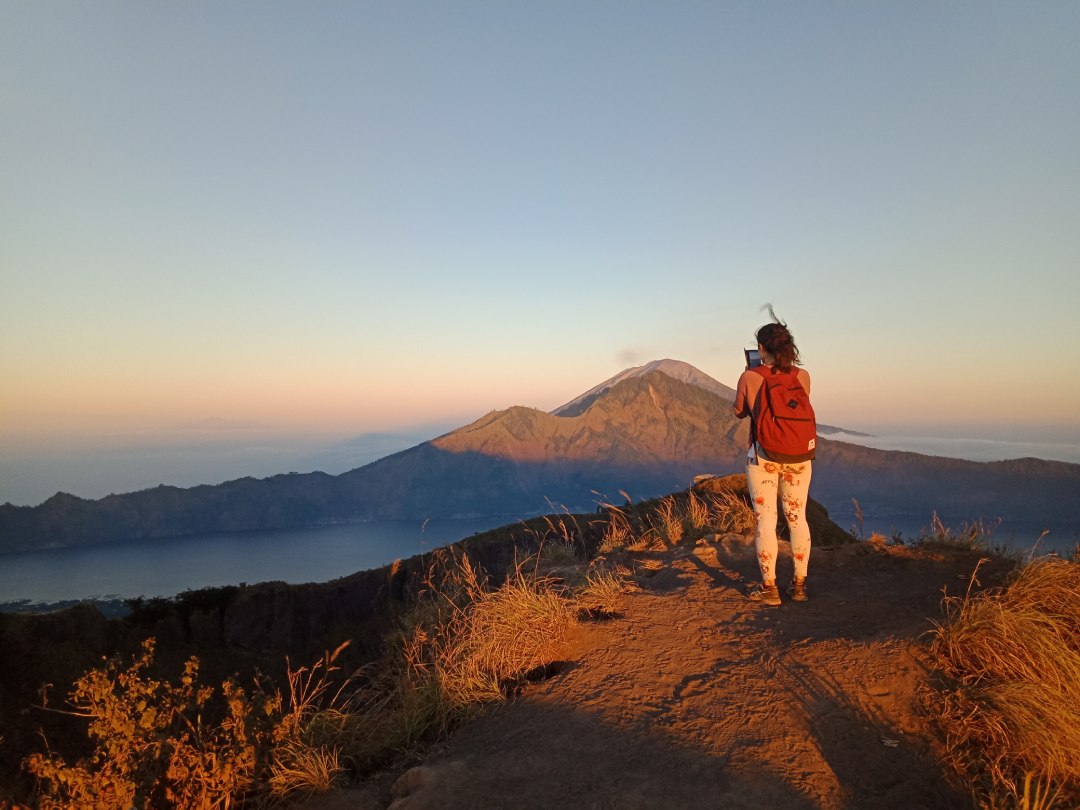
[695,697]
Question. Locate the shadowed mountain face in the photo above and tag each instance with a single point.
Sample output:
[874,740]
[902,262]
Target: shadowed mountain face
[648,434]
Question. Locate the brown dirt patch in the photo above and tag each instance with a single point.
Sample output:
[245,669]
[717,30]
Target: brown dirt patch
[696,697]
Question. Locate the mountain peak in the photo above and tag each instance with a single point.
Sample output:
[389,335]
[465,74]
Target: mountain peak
[676,369]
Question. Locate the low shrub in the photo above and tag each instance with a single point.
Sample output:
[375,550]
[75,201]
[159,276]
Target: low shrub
[154,745]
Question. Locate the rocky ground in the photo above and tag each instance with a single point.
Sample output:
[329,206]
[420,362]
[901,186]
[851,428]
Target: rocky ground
[694,697]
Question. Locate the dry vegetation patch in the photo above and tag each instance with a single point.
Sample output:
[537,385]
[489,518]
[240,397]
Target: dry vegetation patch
[1013,717]
[465,643]
[160,743]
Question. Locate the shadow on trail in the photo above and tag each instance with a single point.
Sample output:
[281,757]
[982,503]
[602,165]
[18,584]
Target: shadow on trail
[841,586]
[867,753]
[532,756]
[720,575]
[653,572]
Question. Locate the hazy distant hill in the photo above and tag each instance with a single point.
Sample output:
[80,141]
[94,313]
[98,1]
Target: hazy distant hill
[646,434]
[1028,492]
[366,448]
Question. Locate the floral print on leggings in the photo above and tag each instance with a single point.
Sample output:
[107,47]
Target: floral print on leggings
[772,483]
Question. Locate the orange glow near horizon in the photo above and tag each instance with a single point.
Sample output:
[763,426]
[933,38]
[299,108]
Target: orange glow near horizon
[320,392]
[310,403]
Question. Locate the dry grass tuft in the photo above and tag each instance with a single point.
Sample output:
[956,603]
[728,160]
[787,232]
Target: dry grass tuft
[618,533]
[560,540]
[728,512]
[973,535]
[648,540]
[555,553]
[649,565]
[877,541]
[603,593]
[1013,720]
[697,512]
[314,728]
[471,645]
[674,519]
[667,521]
[300,770]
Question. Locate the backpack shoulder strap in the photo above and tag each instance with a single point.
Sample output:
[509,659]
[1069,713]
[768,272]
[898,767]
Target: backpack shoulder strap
[760,402]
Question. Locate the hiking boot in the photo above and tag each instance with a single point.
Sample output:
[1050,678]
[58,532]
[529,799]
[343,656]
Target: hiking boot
[797,590]
[766,594]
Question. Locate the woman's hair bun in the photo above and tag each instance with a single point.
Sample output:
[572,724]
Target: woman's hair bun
[778,340]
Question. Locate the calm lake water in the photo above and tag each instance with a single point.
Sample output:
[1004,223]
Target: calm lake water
[168,567]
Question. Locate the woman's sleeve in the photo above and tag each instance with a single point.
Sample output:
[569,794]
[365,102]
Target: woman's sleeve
[741,406]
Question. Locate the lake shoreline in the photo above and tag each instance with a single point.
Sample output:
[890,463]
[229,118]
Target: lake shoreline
[115,572]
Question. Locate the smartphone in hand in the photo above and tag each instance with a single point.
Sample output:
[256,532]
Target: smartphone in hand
[753,358]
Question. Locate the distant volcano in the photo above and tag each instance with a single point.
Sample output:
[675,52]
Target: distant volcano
[676,369]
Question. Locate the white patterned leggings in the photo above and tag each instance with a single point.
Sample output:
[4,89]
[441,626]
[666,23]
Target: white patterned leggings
[770,482]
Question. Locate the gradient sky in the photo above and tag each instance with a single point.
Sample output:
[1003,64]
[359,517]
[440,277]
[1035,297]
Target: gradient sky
[354,216]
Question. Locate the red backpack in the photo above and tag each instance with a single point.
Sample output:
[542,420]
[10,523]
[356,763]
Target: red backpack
[784,422]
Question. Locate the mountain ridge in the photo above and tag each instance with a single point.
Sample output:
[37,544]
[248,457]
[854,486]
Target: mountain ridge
[532,435]
[647,435]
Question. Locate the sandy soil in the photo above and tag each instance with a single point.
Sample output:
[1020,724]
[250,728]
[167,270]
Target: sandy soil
[695,697]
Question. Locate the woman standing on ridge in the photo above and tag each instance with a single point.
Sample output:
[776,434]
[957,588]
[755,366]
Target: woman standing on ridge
[776,397]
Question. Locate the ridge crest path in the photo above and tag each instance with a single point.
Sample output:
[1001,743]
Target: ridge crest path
[695,697]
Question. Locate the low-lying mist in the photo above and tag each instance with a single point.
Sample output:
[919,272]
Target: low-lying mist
[33,470]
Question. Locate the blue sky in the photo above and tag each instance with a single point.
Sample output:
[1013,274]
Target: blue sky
[344,217]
